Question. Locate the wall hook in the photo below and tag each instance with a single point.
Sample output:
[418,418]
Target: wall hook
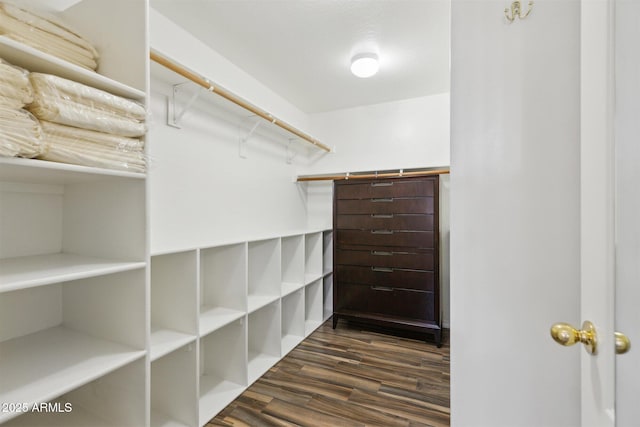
[516,11]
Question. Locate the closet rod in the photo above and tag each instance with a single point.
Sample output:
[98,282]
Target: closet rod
[367,175]
[235,99]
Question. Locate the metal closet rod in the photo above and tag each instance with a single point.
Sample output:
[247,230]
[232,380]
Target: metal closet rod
[235,99]
[370,175]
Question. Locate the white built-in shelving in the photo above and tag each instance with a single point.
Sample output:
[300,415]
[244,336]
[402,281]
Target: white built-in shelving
[293,325]
[313,306]
[73,253]
[174,401]
[243,305]
[264,273]
[223,290]
[223,368]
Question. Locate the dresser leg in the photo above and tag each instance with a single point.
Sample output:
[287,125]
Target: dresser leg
[335,321]
[438,337]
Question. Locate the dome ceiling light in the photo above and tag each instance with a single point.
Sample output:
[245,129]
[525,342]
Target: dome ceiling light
[365,65]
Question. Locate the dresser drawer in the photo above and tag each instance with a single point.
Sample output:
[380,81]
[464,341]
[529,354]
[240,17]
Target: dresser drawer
[386,257]
[386,188]
[415,222]
[386,205]
[413,239]
[406,304]
[386,276]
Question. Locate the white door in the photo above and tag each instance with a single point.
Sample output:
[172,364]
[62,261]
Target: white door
[597,220]
[610,203]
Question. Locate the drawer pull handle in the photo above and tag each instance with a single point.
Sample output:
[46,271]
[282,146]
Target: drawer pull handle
[384,253]
[381,231]
[382,269]
[382,288]
[381,215]
[381,184]
[383,200]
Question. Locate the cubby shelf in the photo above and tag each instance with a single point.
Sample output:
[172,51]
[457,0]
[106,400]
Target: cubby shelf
[164,341]
[44,365]
[28,271]
[38,61]
[256,301]
[173,388]
[223,368]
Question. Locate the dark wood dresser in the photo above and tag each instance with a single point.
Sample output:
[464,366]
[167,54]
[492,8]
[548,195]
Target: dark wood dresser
[386,253]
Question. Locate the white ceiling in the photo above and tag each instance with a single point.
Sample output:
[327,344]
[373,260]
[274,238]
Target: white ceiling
[302,48]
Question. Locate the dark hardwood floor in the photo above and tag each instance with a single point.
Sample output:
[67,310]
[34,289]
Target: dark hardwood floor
[349,377]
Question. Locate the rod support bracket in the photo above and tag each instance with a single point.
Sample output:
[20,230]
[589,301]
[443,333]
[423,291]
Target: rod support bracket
[245,135]
[174,111]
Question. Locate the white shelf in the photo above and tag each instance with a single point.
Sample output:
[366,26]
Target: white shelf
[215,394]
[310,278]
[326,314]
[29,271]
[288,288]
[159,419]
[42,366]
[259,363]
[164,341]
[41,171]
[256,302]
[37,61]
[213,318]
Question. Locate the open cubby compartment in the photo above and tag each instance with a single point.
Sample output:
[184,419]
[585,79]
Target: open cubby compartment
[327,251]
[264,339]
[174,301]
[66,225]
[264,273]
[293,328]
[174,388]
[313,306]
[327,296]
[223,286]
[313,257]
[223,368]
[58,337]
[292,263]
[115,399]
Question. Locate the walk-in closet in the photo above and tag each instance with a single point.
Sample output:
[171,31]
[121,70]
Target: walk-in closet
[318,213]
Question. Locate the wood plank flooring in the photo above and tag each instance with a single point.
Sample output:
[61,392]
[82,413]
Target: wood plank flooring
[349,377]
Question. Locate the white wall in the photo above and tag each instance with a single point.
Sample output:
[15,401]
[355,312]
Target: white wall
[514,214]
[176,43]
[402,134]
[627,208]
[201,191]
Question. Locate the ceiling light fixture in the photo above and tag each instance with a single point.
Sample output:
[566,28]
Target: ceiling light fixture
[364,65]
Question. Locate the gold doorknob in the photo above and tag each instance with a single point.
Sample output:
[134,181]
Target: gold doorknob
[565,334]
[623,344]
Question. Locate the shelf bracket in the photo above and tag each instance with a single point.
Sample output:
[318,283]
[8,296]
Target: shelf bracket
[242,143]
[174,112]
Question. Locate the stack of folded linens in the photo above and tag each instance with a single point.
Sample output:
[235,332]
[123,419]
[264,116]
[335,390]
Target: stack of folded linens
[67,144]
[20,133]
[87,126]
[71,103]
[15,88]
[47,34]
